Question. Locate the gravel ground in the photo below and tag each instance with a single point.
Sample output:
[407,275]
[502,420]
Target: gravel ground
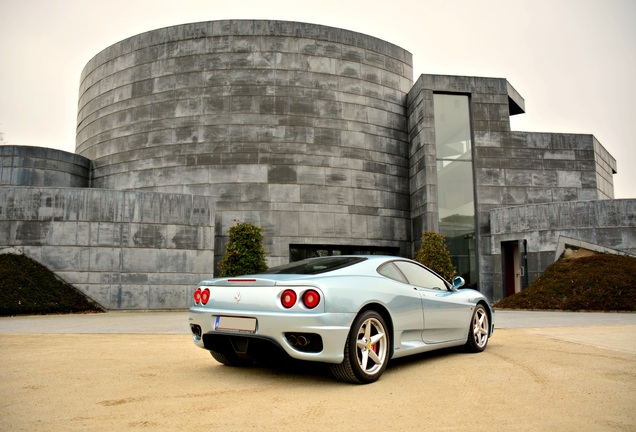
[528,379]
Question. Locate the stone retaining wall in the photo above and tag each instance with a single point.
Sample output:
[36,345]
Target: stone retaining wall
[608,224]
[124,249]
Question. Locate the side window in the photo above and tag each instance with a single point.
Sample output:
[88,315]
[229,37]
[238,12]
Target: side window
[421,277]
[391,271]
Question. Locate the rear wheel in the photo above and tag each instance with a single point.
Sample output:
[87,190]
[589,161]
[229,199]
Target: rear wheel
[478,330]
[366,353]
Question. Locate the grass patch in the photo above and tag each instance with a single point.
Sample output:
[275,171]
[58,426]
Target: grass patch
[29,288]
[600,282]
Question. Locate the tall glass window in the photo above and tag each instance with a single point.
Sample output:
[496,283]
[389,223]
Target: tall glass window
[455,189]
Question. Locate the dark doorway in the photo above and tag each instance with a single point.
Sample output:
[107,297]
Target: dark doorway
[513,254]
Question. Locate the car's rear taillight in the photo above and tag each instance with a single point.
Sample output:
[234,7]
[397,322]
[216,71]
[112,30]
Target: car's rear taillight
[201,296]
[288,298]
[311,298]
[205,296]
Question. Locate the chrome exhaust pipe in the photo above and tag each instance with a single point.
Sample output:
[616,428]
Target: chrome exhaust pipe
[293,341]
[196,330]
[302,341]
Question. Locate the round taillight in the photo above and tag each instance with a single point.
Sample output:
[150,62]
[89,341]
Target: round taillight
[205,296]
[311,299]
[288,298]
[197,296]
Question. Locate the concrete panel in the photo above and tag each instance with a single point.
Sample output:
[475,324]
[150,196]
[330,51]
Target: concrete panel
[277,109]
[603,225]
[100,242]
[305,130]
[38,166]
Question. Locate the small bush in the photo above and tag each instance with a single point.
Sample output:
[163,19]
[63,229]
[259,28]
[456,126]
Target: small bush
[434,254]
[244,252]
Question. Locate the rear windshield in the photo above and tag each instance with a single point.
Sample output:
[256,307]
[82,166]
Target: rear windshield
[316,265]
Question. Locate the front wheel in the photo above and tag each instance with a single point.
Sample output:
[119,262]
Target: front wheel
[478,330]
[366,351]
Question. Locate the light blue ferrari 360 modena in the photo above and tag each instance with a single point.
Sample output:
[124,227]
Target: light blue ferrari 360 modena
[352,312]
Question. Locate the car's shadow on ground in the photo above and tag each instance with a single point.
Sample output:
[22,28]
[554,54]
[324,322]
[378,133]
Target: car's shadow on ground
[288,370]
[319,373]
[418,360]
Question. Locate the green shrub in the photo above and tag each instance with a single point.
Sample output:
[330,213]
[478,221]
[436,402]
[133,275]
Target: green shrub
[244,252]
[434,254]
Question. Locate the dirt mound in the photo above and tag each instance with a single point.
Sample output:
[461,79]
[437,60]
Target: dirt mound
[29,288]
[599,282]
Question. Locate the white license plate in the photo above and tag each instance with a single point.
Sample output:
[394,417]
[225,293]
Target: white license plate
[237,324]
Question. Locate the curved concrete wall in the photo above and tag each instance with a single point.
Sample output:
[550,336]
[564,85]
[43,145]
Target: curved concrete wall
[609,224]
[124,249]
[38,166]
[296,127]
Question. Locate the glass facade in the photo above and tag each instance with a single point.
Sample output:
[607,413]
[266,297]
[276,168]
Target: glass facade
[455,185]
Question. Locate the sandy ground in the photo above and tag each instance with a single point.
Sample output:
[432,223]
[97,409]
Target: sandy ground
[524,381]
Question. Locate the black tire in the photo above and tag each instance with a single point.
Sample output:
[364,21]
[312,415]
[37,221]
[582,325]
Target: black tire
[478,330]
[366,352]
[229,358]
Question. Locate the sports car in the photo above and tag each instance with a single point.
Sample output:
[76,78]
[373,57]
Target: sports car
[354,313]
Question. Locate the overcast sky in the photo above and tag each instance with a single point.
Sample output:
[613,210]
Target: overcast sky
[573,61]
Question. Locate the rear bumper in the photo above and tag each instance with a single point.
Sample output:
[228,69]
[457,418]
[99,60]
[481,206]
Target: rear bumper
[332,328]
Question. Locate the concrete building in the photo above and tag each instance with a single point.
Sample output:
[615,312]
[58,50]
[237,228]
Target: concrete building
[318,135]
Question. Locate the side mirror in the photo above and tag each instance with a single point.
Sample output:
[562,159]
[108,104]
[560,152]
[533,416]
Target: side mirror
[458,282]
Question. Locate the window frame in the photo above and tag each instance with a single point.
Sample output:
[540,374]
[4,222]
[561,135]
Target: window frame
[406,280]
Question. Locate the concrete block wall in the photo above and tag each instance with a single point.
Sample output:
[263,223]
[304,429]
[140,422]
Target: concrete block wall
[422,162]
[520,168]
[491,102]
[511,168]
[517,168]
[606,167]
[124,249]
[296,127]
[608,224]
[314,133]
[39,166]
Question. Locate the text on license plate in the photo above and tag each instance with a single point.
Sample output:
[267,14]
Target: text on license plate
[237,324]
